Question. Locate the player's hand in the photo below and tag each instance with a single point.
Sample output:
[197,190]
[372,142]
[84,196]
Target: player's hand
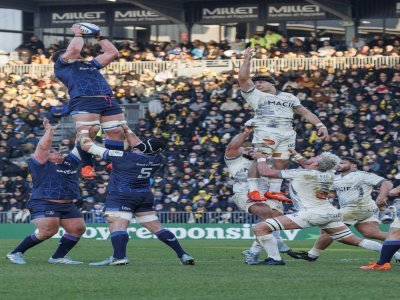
[248,129]
[76,29]
[48,126]
[382,204]
[323,133]
[248,53]
[292,151]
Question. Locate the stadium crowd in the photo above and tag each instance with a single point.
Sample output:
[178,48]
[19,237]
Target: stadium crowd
[270,45]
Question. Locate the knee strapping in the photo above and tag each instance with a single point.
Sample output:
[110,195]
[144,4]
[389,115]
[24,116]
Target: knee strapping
[341,234]
[87,123]
[118,214]
[146,219]
[274,224]
[110,125]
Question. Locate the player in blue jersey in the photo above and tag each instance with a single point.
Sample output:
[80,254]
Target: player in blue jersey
[129,193]
[91,98]
[55,182]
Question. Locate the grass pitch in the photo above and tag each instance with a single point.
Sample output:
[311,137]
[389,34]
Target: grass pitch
[219,273]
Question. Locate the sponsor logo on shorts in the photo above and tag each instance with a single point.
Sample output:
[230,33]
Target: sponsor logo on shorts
[50,213]
[125,208]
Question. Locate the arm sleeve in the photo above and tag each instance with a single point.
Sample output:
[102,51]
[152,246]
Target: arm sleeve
[97,64]
[252,96]
[296,103]
[373,179]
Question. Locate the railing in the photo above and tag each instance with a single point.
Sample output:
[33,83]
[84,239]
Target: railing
[194,67]
[236,217]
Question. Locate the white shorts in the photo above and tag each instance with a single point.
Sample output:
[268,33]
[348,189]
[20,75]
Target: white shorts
[327,218]
[396,223]
[352,216]
[275,204]
[278,140]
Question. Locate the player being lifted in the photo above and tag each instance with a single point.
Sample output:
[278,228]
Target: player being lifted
[55,182]
[273,124]
[129,193]
[309,190]
[391,244]
[353,189]
[239,160]
[91,98]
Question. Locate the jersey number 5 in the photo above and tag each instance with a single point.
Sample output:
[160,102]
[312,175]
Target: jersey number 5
[145,173]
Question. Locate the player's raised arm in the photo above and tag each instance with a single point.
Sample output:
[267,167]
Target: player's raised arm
[297,157]
[43,148]
[75,46]
[110,52]
[233,148]
[313,119]
[244,73]
[263,169]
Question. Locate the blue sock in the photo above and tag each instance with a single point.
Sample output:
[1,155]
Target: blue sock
[119,240]
[86,157]
[389,248]
[114,145]
[29,242]
[170,239]
[67,242]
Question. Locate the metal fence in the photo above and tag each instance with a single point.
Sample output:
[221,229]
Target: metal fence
[236,217]
[194,67]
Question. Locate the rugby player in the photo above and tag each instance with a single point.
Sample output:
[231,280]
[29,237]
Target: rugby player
[309,189]
[273,129]
[353,189]
[391,244]
[91,98]
[55,182]
[239,161]
[129,193]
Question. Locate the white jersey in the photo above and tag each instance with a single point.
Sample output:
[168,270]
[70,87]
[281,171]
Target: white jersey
[354,189]
[238,169]
[274,111]
[309,188]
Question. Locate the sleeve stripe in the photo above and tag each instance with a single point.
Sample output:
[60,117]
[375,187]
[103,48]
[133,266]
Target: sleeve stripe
[298,106]
[380,183]
[105,154]
[74,157]
[249,91]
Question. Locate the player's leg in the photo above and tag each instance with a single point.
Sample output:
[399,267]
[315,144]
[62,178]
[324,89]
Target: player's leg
[389,248]
[84,122]
[46,226]
[277,210]
[74,225]
[371,230]
[253,183]
[263,234]
[323,242]
[149,220]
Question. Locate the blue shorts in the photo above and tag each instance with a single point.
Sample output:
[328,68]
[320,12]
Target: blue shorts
[47,209]
[104,106]
[133,203]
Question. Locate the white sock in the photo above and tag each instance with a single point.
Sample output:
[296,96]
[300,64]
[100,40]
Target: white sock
[275,184]
[263,185]
[253,184]
[314,252]
[270,246]
[256,248]
[397,255]
[281,244]
[370,245]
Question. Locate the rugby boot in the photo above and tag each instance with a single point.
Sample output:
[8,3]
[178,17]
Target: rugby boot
[375,266]
[250,258]
[186,259]
[301,255]
[271,262]
[277,196]
[88,172]
[64,261]
[16,258]
[255,196]
[111,261]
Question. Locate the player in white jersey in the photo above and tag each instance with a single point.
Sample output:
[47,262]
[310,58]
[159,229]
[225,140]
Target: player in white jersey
[273,128]
[273,123]
[353,189]
[309,190]
[238,160]
[391,244]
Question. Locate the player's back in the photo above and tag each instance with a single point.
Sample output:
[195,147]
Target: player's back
[132,171]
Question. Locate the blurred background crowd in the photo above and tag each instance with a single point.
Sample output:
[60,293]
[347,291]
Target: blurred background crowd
[199,115]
